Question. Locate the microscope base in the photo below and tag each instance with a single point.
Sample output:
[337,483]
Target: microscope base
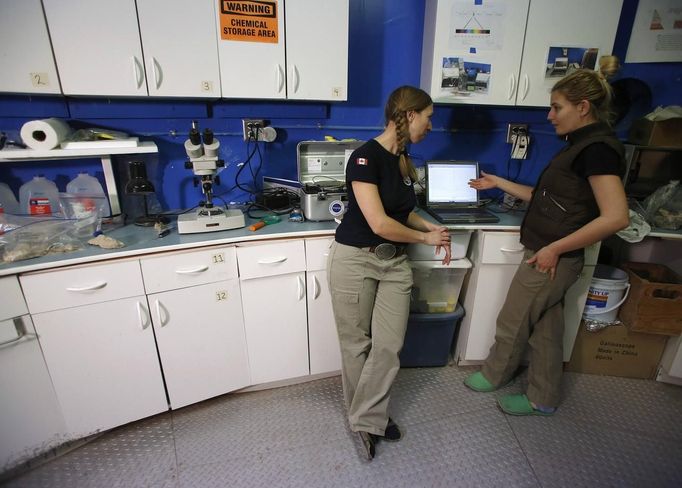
[192,223]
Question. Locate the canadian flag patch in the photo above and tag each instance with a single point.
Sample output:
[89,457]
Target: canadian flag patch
[361,161]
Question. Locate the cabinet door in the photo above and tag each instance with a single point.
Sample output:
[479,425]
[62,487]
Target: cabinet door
[103,362]
[31,420]
[97,46]
[578,26]
[317,49]
[200,335]
[472,50]
[276,326]
[25,49]
[251,50]
[323,340]
[180,50]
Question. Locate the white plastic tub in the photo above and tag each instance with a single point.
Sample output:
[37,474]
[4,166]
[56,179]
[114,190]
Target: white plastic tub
[436,287]
[459,243]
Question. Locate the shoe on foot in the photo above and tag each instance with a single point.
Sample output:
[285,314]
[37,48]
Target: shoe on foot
[520,405]
[368,443]
[477,382]
[392,432]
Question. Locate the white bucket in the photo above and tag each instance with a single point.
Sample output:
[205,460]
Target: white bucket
[608,291]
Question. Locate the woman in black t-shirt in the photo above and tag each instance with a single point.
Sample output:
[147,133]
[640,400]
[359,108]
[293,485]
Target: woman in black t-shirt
[369,276]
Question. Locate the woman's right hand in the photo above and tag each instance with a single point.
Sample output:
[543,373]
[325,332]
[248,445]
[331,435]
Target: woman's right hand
[485,182]
[438,237]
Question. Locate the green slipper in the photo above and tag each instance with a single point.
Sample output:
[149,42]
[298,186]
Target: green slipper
[477,382]
[520,405]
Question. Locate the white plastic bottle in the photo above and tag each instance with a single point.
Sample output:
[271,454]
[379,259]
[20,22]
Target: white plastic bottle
[8,202]
[86,186]
[39,197]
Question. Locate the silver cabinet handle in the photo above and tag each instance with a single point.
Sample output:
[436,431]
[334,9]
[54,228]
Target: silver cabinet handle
[507,249]
[197,269]
[526,86]
[295,76]
[161,313]
[301,288]
[158,74]
[95,286]
[142,316]
[280,78]
[512,86]
[137,72]
[275,260]
[316,288]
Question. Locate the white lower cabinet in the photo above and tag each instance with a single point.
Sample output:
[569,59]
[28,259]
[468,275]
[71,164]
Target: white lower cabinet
[96,335]
[202,345]
[103,363]
[31,421]
[272,278]
[495,257]
[323,340]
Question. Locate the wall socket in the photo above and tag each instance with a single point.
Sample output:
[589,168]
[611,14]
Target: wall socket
[513,129]
[250,128]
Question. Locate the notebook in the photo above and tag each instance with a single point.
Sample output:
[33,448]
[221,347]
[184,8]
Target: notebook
[449,198]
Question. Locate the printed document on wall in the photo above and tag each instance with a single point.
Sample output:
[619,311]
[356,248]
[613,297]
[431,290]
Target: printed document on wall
[657,32]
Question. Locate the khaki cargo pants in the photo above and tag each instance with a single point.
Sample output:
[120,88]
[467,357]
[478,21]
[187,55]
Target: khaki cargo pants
[533,315]
[371,302]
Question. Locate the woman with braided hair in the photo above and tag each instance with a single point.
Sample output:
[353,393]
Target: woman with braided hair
[578,200]
[369,276]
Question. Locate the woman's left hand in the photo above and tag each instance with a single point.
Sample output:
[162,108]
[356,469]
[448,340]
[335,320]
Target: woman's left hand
[545,261]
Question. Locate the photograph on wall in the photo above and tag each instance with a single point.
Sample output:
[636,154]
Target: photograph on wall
[656,33]
[562,61]
[464,78]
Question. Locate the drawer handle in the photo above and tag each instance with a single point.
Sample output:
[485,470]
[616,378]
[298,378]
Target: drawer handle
[21,331]
[199,269]
[96,286]
[279,259]
[506,249]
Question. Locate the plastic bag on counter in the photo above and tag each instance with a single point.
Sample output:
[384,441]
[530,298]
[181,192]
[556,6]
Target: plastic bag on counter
[94,134]
[25,237]
[663,208]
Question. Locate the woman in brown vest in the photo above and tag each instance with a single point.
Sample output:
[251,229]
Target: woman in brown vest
[578,200]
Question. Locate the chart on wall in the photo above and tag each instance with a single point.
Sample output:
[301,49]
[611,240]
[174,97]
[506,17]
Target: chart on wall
[656,33]
[476,29]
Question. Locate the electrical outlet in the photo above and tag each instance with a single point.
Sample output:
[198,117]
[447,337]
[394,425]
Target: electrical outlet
[251,128]
[513,130]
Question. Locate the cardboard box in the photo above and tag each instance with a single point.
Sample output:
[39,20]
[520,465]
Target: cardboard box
[654,304]
[617,351]
[662,133]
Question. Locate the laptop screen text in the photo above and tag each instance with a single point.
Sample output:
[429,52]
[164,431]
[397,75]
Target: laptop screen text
[448,182]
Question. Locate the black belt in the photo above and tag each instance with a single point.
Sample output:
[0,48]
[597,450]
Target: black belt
[386,250]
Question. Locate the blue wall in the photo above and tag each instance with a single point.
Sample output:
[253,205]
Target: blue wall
[384,52]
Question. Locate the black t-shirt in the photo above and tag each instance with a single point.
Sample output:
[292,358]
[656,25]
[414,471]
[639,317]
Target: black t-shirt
[371,163]
[598,159]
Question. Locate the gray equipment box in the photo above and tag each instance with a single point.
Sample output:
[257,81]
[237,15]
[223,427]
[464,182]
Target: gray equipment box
[321,172]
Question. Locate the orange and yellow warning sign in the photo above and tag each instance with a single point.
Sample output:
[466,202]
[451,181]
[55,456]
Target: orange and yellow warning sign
[249,20]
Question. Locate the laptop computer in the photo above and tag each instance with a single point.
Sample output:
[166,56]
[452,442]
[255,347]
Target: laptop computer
[449,198]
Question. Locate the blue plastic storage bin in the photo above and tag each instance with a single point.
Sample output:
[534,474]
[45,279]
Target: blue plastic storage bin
[428,339]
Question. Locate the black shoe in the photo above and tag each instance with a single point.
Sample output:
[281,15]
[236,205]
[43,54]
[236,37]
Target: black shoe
[392,432]
[368,443]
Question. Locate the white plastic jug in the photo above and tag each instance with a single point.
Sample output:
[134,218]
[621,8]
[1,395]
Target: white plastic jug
[8,202]
[85,186]
[39,197]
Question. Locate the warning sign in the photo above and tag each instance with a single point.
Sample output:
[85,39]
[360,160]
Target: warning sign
[249,20]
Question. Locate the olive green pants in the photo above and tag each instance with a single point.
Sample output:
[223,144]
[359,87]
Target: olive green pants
[533,315]
[371,302]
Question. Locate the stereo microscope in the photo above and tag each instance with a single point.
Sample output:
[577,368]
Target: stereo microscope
[204,162]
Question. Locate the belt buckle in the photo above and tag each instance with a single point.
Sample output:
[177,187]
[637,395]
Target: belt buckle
[385,251]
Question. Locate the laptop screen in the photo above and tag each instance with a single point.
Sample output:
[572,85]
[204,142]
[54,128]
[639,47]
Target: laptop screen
[447,183]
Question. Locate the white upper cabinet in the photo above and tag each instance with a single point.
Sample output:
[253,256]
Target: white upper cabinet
[496,53]
[560,37]
[317,49]
[97,46]
[472,51]
[180,50]
[262,56]
[25,51]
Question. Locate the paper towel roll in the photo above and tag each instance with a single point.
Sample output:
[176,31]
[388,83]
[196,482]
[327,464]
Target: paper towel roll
[44,134]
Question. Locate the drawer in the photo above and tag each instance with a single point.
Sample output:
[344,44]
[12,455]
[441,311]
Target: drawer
[180,270]
[258,260]
[13,304]
[82,285]
[502,248]
[316,253]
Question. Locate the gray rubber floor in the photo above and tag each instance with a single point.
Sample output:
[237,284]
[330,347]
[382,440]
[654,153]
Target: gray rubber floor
[608,432]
